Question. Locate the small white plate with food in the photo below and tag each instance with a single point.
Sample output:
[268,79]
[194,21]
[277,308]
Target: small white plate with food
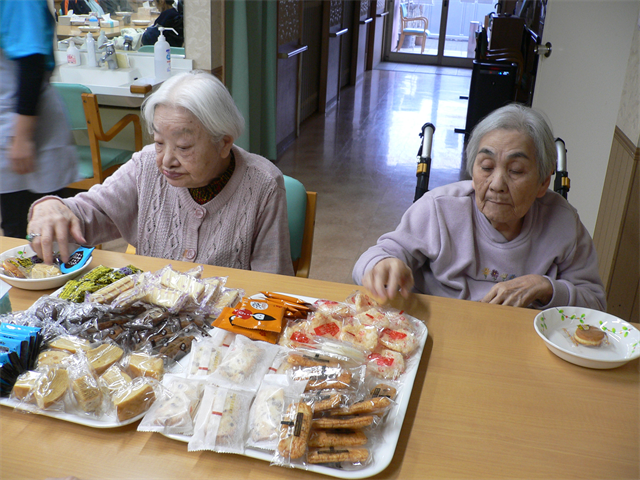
[140,22]
[587,337]
[19,266]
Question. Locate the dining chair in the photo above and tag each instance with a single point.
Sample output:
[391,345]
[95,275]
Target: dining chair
[301,213]
[96,162]
[406,30]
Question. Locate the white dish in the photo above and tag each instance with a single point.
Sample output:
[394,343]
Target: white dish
[106,421]
[383,450]
[556,326]
[140,22]
[43,283]
[89,29]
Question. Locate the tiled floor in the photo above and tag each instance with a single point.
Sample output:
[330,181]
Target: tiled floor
[361,157]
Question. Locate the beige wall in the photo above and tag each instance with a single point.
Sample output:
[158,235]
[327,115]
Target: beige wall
[204,33]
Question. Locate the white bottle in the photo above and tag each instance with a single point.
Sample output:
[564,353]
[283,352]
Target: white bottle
[73,54]
[162,56]
[91,51]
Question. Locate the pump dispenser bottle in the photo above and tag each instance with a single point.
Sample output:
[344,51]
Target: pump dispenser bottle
[91,51]
[162,56]
[73,54]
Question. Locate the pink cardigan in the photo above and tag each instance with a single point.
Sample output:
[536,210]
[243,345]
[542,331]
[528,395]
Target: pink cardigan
[245,226]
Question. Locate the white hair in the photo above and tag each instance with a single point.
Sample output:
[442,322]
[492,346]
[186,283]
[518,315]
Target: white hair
[524,120]
[204,96]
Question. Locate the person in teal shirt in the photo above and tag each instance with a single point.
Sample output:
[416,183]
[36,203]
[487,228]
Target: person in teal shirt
[37,154]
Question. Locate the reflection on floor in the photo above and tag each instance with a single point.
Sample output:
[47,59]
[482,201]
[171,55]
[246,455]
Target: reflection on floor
[361,157]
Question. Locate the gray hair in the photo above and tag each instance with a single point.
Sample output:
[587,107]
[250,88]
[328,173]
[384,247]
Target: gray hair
[524,120]
[205,97]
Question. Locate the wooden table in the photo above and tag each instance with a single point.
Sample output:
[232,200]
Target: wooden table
[489,401]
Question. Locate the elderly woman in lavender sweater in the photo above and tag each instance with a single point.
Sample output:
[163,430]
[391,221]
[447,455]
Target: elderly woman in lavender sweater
[501,237]
[193,195]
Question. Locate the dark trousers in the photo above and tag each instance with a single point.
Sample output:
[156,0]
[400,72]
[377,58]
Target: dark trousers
[14,208]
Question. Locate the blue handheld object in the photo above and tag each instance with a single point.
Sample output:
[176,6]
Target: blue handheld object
[77,260]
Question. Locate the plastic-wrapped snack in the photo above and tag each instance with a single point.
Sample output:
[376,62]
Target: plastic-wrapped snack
[182,282]
[221,420]
[135,294]
[179,344]
[294,434]
[267,410]
[401,340]
[51,387]
[322,324]
[141,364]
[374,316]
[206,355]
[354,456]
[360,335]
[330,307]
[173,412]
[373,404]
[296,333]
[353,421]
[386,364]
[25,386]
[245,363]
[103,356]
[85,389]
[323,400]
[135,398]
[339,437]
[70,343]
[51,357]
[109,292]
[212,291]
[115,379]
[322,377]
[361,301]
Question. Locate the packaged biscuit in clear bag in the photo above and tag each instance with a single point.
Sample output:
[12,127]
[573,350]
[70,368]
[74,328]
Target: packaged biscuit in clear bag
[295,428]
[87,396]
[267,410]
[173,412]
[221,420]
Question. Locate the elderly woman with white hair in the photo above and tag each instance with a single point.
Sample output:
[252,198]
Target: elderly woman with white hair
[501,237]
[193,195]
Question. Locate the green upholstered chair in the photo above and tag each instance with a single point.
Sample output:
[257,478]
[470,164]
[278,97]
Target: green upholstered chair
[301,208]
[96,162]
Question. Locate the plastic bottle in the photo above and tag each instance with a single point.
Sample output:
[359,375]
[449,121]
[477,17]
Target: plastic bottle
[162,56]
[73,54]
[91,51]
[102,39]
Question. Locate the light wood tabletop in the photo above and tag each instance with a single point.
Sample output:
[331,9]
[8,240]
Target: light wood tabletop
[489,401]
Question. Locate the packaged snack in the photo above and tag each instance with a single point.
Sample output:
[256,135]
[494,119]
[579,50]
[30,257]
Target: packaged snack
[115,379]
[173,412]
[353,456]
[85,389]
[361,301]
[337,438]
[245,363]
[221,420]
[103,356]
[206,355]
[226,318]
[294,433]
[386,364]
[109,292]
[50,388]
[267,410]
[259,314]
[135,398]
[141,364]
[400,340]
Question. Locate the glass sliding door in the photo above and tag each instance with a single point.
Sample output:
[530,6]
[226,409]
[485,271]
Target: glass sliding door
[449,36]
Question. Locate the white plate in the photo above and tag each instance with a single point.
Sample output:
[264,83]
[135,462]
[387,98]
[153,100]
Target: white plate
[383,450]
[105,421]
[140,22]
[89,29]
[43,283]
[556,325]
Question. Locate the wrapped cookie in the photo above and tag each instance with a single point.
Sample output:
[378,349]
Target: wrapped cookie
[174,411]
[221,420]
[295,428]
[206,355]
[86,391]
[245,363]
[267,410]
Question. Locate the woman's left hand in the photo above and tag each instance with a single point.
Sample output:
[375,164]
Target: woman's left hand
[521,291]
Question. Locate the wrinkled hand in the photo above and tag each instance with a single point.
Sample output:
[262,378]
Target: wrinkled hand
[53,220]
[521,291]
[22,155]
[387,277]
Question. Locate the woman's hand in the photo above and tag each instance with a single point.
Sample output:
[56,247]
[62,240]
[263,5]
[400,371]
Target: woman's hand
[53,221]
[387,277]
[521,291]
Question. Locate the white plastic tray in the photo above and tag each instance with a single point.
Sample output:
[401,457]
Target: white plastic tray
[382,452]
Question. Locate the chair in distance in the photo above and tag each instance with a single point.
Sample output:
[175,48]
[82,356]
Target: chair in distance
[301,213]
[96,162]
[406,30]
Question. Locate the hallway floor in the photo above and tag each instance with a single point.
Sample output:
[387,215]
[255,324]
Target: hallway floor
[361,157]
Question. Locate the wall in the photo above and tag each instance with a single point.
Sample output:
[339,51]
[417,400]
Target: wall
[580,86]
[204,33]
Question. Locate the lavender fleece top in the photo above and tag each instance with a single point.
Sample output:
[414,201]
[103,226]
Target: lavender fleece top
[245,226]
[453,251]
